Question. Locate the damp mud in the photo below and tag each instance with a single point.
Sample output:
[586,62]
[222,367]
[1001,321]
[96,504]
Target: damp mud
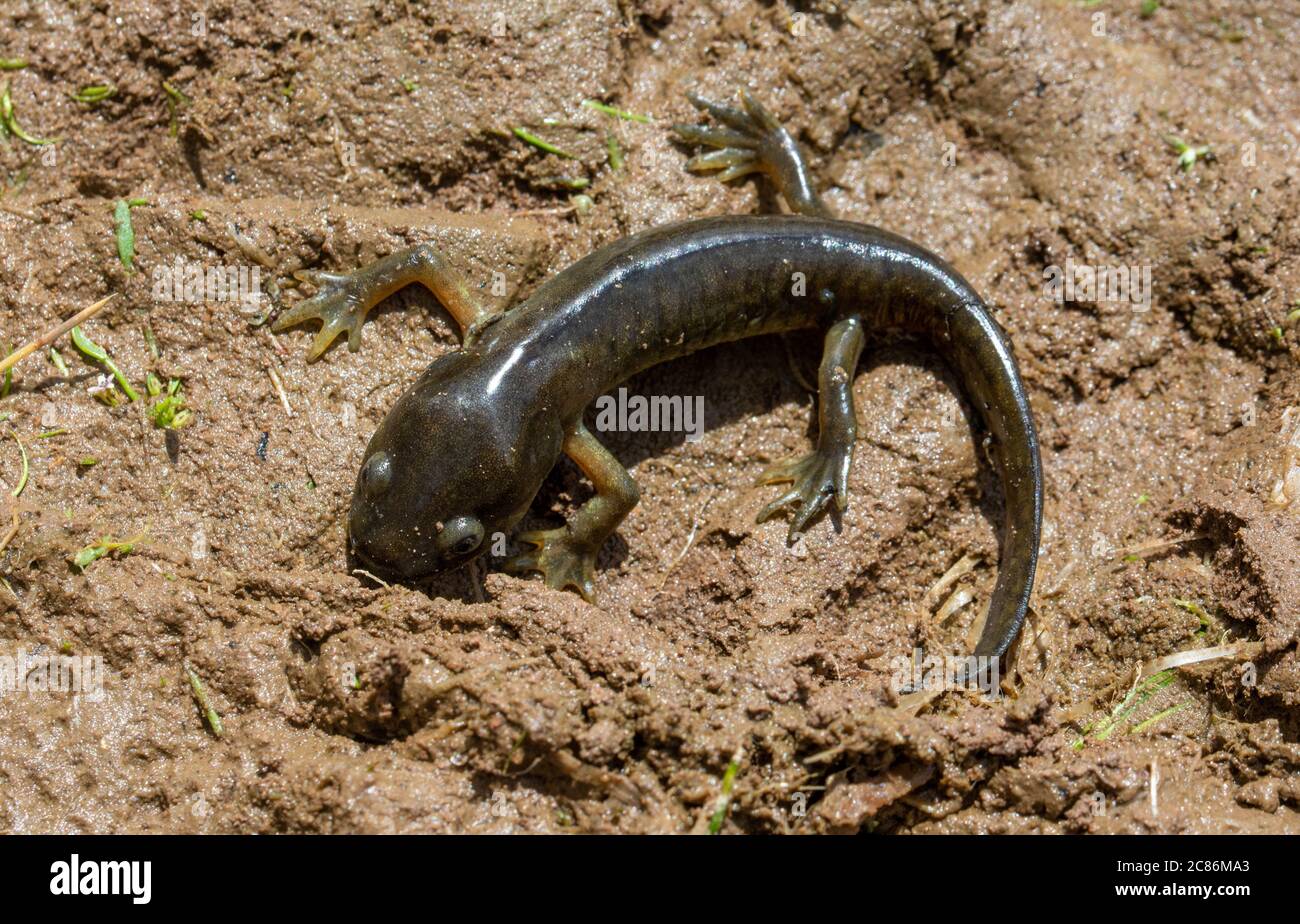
[1146,155]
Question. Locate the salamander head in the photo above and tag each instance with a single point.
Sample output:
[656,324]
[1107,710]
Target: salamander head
[451,465]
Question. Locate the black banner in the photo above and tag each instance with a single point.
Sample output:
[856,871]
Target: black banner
[212,873]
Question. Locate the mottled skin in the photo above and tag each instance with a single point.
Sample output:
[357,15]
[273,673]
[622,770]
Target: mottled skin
[463,452]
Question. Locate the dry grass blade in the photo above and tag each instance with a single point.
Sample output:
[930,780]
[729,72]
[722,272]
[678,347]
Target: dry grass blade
[964,566]
[1198,655]
[955,602]
[1147,548]
[49,337]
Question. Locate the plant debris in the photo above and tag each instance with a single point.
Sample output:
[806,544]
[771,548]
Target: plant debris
[100,355]
[9,121]
[201,697]
[524,135]
[616,113]
[105,545]
[170,412]
[1187,154]
[26,470]
[124,232]
[175,100]
[94,94]
[724,798]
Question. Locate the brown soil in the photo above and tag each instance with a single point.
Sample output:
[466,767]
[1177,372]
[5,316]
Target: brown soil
[1006,136]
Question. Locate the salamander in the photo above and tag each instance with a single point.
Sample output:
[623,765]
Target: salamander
[463,452]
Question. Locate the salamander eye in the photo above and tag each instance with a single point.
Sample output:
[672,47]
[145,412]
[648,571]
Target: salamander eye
[460,536]
[377,474]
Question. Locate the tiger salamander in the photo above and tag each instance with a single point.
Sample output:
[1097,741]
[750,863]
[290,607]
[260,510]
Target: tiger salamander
[463,452]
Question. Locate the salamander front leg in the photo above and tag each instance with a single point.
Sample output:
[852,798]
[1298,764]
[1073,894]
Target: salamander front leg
[566,557]
[343,301]
[824,473]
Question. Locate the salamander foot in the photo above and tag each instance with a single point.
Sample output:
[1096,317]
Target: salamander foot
[561,558]
[816,478]
[340,303]
[751,140]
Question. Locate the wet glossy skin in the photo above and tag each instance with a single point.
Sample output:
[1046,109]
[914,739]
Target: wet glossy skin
[462,454]
[482,427]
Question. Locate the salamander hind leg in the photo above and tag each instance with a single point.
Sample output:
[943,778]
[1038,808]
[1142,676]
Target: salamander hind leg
[823,474]
[751,140]
[566,556]
[342,302]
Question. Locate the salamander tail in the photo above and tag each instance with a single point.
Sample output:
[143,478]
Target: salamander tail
[983,357]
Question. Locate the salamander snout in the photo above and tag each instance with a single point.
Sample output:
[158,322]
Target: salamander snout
[450,470]
[395,528]
[415,513]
